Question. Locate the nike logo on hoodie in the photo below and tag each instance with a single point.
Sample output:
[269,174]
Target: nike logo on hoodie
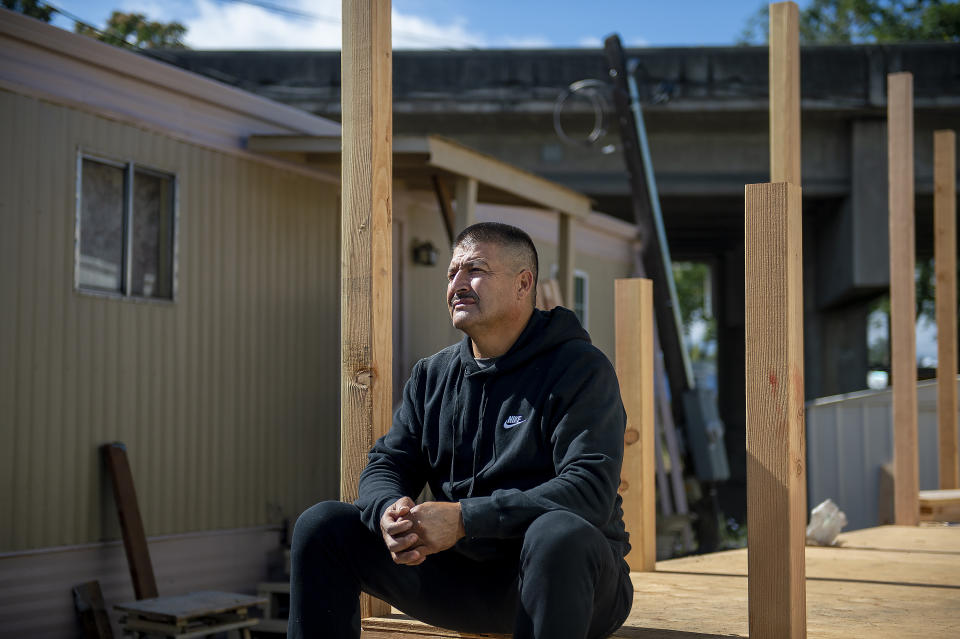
[514,420]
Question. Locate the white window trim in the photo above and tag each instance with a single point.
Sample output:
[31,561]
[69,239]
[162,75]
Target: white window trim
[129,167]
[586,295]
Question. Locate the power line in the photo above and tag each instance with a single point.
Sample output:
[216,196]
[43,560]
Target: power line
[87,25]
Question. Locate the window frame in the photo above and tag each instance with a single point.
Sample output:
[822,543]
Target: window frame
[583,275]
[130,168]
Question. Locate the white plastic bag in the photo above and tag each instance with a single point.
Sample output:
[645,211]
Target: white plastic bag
[826,520]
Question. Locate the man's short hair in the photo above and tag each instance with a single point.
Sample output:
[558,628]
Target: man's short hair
[509,237]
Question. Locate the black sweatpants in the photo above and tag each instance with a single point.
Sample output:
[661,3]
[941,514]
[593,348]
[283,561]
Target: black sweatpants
[564,581]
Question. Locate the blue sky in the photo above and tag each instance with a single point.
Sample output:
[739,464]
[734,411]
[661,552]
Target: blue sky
[236,24]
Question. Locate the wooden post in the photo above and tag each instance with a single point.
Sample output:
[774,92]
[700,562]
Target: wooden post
[784,93]
[945,254]
[565,257]
[466,203]
[635,357]
[365,238]
[903,351]
[776,462]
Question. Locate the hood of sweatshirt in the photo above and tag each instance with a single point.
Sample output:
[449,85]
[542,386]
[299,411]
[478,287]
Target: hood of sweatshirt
[544,331]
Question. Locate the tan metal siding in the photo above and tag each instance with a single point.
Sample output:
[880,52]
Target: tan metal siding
[227,398]
[601,314]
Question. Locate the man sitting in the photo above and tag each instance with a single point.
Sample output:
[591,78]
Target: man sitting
[518,433]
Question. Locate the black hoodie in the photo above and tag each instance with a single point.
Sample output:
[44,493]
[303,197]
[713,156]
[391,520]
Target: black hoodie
[540,429]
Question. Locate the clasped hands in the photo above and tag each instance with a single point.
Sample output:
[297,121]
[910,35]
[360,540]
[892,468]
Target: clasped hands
[414,531]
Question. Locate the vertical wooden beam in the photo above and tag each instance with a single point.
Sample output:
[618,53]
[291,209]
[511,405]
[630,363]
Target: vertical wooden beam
[566,226]
[903,352]
[635,358]
[366,351]
[776,461]
[784,93]
[466,203]
[945,255]
[446,207]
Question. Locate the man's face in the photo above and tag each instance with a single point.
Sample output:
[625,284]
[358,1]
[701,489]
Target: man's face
[482,287]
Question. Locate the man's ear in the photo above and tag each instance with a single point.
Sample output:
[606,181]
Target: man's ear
[524,284]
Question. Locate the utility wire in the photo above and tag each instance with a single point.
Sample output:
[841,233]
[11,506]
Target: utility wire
[150,53]
[77,20]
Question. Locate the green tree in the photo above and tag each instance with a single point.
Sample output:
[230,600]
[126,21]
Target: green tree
[33,8]
[866,21]
[692,281]
[134,29]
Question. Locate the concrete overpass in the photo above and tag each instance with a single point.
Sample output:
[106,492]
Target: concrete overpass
[706,116]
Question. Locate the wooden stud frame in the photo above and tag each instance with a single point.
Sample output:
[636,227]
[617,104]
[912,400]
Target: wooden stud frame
[635,359]
[903,335]
[566,257]
[366,238]
[466,207]
[776,459]
[784,93]
[945,256]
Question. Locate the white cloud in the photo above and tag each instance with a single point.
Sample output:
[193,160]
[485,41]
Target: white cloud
[590,42]
[310,24]
[523,42]
[414,32]
[235,25]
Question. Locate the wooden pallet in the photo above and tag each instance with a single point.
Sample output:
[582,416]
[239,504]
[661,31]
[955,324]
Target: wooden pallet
[276,610]
[197,614]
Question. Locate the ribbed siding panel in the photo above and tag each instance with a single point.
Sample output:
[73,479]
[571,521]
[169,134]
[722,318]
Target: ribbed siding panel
[36,601]
[227,398]
[850,438]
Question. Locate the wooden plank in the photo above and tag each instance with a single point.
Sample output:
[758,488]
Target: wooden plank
[776,464]
[134,536]
[432,153]
[566,256]
[851,593]
[466,206]
[398,626]
[199,631]
[366,237]
[683,606]
[939,539]
[837,563]
[448,155]
[784,65]
[903,347]
[670,435]
[92,610]
[634,363]
[182,609]
[945,261]
[665,412]
[446,206]
[939,505]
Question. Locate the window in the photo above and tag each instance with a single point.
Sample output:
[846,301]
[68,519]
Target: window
[581,296]
[125,235]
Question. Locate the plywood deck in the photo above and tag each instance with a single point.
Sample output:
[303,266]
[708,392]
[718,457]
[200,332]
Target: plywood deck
[892,581]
